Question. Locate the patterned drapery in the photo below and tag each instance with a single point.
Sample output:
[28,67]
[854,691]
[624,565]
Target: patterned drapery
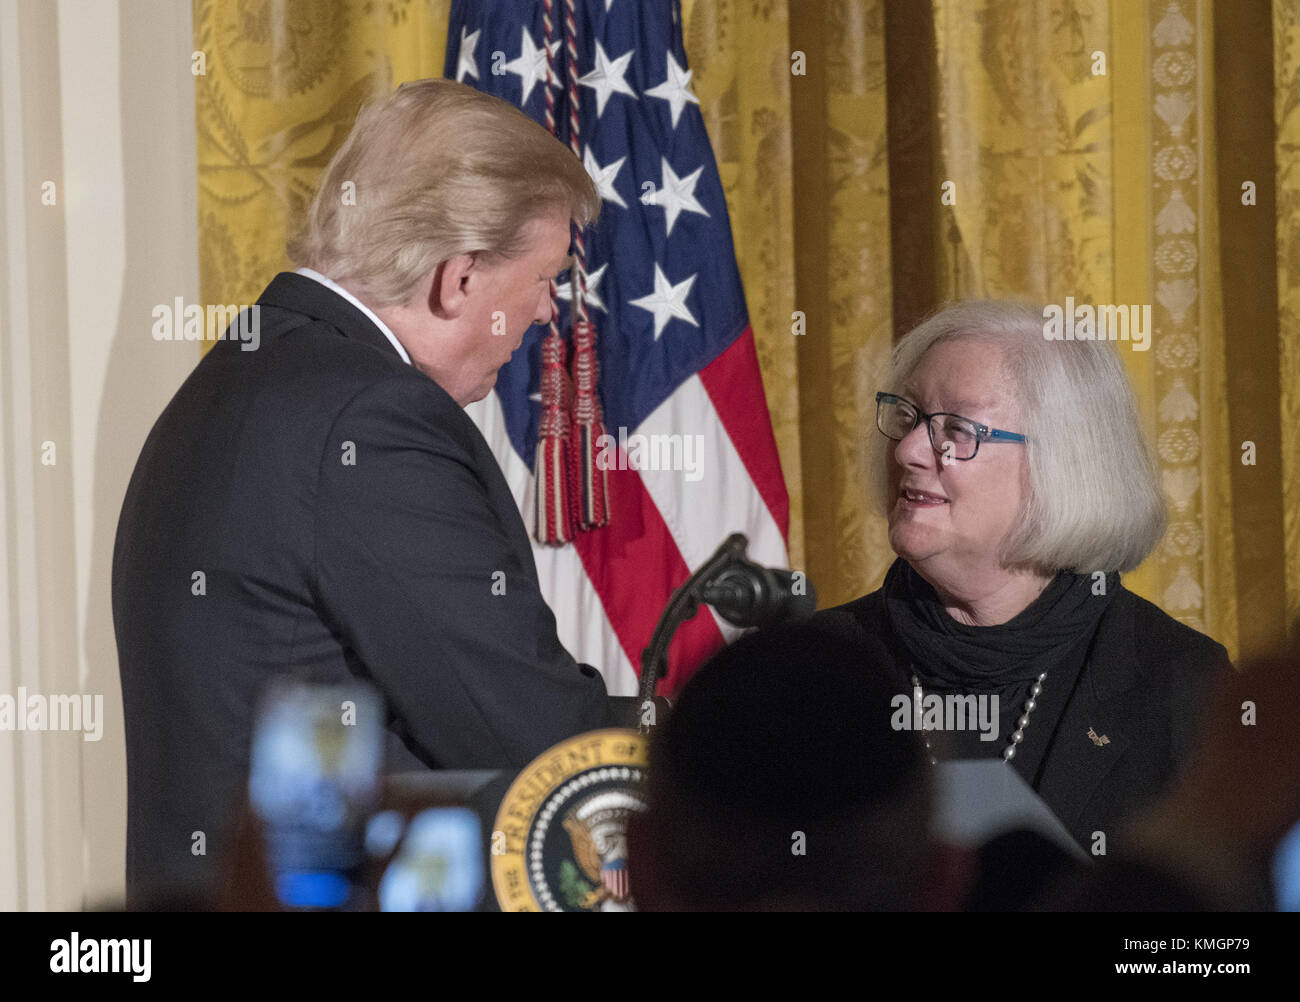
[882,156]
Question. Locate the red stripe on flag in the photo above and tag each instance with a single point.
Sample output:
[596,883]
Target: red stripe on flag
[735,385]
[634,565]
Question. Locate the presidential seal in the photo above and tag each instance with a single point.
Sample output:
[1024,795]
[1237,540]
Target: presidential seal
[560,842]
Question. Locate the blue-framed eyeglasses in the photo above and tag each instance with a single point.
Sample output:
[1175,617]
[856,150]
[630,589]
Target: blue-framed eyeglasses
[955,435]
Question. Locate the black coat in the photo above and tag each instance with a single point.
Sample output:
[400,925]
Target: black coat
[1143,688]
[388,568]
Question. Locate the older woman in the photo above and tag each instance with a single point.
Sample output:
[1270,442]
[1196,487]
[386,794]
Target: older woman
[1018,487]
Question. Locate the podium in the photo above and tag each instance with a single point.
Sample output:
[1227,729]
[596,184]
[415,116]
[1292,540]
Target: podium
[976,801]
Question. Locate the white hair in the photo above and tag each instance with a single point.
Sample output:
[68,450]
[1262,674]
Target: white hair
[436,169]
[1094,501]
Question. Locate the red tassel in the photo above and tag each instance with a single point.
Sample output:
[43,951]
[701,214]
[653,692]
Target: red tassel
[554,504]
[588,478]
[572,492]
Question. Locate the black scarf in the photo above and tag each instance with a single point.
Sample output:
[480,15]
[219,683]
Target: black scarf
[1004,658]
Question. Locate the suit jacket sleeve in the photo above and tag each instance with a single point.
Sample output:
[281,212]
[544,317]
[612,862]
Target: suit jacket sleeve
[430,582]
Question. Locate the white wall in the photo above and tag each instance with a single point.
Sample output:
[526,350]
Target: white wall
[96,96]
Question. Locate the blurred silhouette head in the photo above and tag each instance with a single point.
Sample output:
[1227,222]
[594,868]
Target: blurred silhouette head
[777,783]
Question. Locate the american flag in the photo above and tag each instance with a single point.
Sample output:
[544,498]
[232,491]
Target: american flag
[675,348]
[614,876]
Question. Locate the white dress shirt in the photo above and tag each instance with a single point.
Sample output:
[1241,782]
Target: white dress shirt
[330,284]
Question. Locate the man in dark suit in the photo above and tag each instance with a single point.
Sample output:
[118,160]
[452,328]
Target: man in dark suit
[322,504]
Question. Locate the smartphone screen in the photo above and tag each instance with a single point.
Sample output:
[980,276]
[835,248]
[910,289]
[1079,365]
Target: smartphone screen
[439,865]
[314,779]
[1286,872]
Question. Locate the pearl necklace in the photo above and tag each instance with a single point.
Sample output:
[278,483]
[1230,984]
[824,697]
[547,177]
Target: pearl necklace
[1017,736]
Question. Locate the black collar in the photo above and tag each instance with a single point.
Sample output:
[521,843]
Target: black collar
[291,291]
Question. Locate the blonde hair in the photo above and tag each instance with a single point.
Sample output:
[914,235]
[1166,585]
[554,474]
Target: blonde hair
[438,169]
[1094,501]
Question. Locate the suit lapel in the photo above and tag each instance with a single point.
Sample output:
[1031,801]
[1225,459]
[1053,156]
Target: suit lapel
[1100,724]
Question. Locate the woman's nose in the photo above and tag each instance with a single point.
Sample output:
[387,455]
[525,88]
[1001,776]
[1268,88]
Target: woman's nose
[914,448]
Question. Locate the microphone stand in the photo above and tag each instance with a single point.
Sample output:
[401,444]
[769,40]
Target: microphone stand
[683,605]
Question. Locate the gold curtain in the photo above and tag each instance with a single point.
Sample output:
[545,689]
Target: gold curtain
[282,83]
[1094,149]
[1286,42]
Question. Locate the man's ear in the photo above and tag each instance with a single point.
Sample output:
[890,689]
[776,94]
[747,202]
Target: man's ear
[448,291]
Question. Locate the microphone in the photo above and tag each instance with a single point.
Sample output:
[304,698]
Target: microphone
[746,594]
[743,593]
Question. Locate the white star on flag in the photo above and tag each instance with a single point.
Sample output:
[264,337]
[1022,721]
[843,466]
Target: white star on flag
[564,290]
[607,78]
[676,89]
[667,301]
[676,195]
[603,177]
[465,61]
[530,67]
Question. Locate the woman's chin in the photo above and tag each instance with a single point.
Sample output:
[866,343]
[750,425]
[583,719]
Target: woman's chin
[912,540]
[904,542]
